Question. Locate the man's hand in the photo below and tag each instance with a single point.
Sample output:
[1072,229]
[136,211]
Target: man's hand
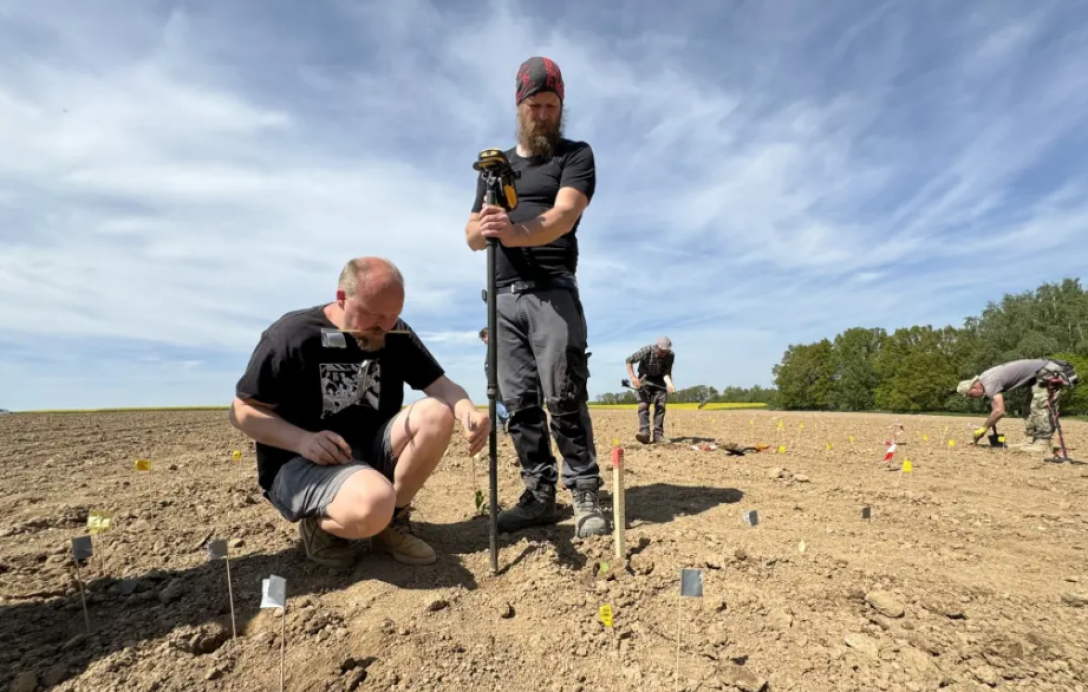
[670,388]
[495,223]
[325,448]
[635,382]
[477,427]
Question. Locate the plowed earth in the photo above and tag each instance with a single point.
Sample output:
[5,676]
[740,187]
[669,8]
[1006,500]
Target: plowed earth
[970,575]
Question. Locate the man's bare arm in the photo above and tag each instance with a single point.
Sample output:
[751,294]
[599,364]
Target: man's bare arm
[453,395]
[997,411]
[259,422]
[552,224]
[472,232]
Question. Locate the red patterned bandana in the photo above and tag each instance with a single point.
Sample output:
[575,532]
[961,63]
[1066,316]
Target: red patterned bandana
[536,75]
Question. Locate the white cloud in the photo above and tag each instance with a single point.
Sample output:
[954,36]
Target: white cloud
[171,182]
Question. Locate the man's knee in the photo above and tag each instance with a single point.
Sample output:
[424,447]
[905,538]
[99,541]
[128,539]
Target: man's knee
[432,416]
[364,505]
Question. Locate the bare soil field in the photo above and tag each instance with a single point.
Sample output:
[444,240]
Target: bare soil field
[970,575]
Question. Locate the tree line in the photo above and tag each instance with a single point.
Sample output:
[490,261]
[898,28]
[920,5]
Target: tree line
[916,369]
[698,394]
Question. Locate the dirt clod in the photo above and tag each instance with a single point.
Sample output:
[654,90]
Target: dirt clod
[885,603]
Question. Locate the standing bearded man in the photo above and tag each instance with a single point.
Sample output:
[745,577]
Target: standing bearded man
[542,332]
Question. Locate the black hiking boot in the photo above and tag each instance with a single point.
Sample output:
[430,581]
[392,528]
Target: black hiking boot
[588,519]
[643,437]
[534,508]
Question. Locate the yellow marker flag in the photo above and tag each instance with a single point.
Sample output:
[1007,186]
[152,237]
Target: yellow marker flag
[143,464]
[606,615]
[951,443]
[907,466]
[236,455]
[752,422]
[925,438]
[99,521]
[782,449]
[615,442]
[851,439]
[779,425]
[829,446]
[802,426]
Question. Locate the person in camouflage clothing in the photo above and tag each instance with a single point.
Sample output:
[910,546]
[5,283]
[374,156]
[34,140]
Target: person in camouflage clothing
[654,384]
[995,382]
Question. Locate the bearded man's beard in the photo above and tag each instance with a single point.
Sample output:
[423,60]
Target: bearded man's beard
[370,341]
[539,137]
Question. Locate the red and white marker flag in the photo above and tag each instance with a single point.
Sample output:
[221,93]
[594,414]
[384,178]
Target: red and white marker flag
[890,452]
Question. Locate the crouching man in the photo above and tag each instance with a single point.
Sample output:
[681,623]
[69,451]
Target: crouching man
[322,398]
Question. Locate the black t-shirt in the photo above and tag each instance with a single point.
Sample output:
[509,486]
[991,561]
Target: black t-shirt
[537,184]
[333,385]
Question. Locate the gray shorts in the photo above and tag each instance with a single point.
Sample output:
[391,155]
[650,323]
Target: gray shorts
[305,489]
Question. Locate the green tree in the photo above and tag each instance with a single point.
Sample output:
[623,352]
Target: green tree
[804,377]
[853,354]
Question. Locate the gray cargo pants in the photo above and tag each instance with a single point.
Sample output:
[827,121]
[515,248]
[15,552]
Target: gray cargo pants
[541,345]
[659,398]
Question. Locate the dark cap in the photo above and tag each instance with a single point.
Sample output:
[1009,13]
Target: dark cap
[536,75]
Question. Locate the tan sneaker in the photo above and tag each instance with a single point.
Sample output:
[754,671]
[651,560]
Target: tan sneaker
[324,548]
[400,541]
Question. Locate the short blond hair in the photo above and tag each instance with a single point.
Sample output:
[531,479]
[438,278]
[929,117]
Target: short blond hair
[357,270]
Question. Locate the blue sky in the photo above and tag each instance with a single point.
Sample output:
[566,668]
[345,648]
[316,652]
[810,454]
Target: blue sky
[768,173]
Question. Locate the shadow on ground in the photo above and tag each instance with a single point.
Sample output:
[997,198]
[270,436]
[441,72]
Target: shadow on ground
[656,503]
[44,634]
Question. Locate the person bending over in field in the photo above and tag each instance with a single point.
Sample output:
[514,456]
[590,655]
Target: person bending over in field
[322,398]
[1036,373]
[655,371]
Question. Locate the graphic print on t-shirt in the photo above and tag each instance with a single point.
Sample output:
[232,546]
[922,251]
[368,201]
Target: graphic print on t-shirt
[347,384]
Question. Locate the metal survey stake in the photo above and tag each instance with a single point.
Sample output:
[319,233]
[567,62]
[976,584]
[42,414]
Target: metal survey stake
[867,517]
[691,586]
[217,550]
[82,550]
[274,595]
[498,176]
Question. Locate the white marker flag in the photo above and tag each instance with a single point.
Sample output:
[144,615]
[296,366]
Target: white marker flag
[274,592]
[691,583]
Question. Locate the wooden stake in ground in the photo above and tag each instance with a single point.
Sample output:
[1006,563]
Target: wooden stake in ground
[82,550]
[619,514]
[274,595]
[691,586]
[217,550]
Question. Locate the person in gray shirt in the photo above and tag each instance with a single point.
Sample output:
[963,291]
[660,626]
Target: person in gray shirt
[998,380]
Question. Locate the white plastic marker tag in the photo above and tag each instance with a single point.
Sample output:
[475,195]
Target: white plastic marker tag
[82,548]
[332,338]
[274,592]
[217,550]
[751,517]
[691,583]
